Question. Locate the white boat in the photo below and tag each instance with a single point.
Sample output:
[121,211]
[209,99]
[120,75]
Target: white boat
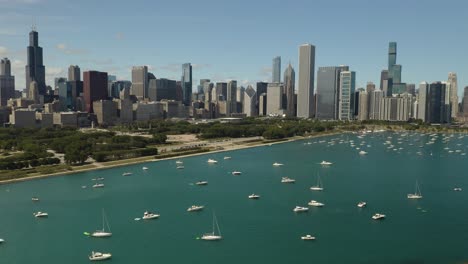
[227,158]
[416,194]
[276,164]
[127,174]
[98,185]
[144,168]
[99,256]
[103,232]
[361,204]
[299,209]
[362,152]
[100,179]
[236,173]
[213,236]
[319,186]
[40,214]
[180,167]
[179,162]
[315,203]
[378,216]
[254,196]
[148,215]
[457,189]
[212,161]
[35,199]
[195,208]
[325,163]
[2,240]
[307,237]
[287,180]
[201,183]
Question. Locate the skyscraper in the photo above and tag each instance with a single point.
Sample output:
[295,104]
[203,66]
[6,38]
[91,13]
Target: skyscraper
[35,70]
[375,98]
[274,104]
[363,109]
[422,101]
[231,104]
[394,83]
[74,73]
[95,88]
[187,83]
[452,80]
[328,92]
[305,94]
[289,83]
[250,101]
[347,88]
[276,69]
[140,81]
[465,102]
[436,103]
[392,54]
[7,82]
[370,86]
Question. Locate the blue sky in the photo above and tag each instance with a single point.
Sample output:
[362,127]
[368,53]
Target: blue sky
[238,39]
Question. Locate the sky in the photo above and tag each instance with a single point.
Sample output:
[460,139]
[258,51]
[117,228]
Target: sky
[238,39]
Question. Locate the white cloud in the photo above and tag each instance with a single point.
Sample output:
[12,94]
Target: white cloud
[3,51]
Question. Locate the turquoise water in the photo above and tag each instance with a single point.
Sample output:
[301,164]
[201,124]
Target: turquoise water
[431,230]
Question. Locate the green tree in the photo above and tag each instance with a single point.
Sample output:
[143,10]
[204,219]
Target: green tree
[77,152]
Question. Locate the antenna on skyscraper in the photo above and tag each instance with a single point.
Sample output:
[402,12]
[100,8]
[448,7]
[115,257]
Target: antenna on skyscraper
[33,26]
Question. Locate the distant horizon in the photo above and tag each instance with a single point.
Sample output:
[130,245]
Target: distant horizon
[240,47]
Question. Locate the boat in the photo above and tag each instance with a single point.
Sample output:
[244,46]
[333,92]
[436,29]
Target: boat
[457,189]
[361,204]
[180,167]
[40,214]
[98,185]
[2,240]
[83,187]
[416,194]
[254,196]
[362,152]
[212,236]
[378,216]
[276,164]
[325,163]
[103,232]
[201,183]
[319,186]
[227,158]
[144,168]
[299,209]
[35,199]
[127,174]
[212,161]
[148,215]
[236,173]
[99,256]
[287,180]
[307,237]
[195,208]
[315,203]
[179,162]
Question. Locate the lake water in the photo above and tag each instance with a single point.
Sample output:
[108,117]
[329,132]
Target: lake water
[430,230]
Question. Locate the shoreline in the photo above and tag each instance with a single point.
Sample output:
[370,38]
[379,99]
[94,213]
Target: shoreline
[153,159]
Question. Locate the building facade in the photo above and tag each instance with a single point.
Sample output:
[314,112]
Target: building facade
[187,83]
[328,92]
[305,94]
[276,78]
[35,69]
[7,82]
[346,102]
[94,88]
[140,81]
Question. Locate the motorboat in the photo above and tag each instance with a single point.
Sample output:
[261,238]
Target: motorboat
[195,208]
[148,215]
[236,173]
[325,163]
[315,203]
[227,158]
[417,194]
[103,232]
[299,209]
[180,167]
[307,237]
[99,256]
[361,204]
[254,196]
[2,240]
[213,236]
[276,164]
[35,199]
[201,183]
[98,185]
[40,214]
[179,162]
[319,186]
[287,180]
[127,174]
[212,161]
[145,168]
[378,216]
[457,189]
[362,152]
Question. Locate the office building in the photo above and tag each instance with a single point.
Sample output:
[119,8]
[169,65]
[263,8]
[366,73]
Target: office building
[328,92]
[274,104]
[221,91]
[370,87]
[465,102]
[140,81]
[7,82]
[74,73]
[115,87]
[411,88]
[346,102]
[66,96]
[35,69]
[250,101]
[423,101]
[289,84]
[383,77]
[305,94]
[374,104]
[276,78]
[436,108]
[452,80]
[261,88]
[94,88]
[363,109]
[105,111]
[186,83]
[231,106]
[160,89]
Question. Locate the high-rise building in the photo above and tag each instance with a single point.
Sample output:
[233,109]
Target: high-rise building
[187,83]
[383,77]
[221,91]
[305,94]
[422,101]
[160,89]
[374,104]
[231,106]
[35,69]
[436,110]
[465,102]
[7,82]
[94,88]
[74,73]
[328,92]
[289,83]
[274,103]
[276,70]
[411,88]
[250,101]
[363,111]
[261,89]
[66,96]
[140,81]
[394,72]
[117,87]
[347,88]
[370,87]
[392,54]
[452,80]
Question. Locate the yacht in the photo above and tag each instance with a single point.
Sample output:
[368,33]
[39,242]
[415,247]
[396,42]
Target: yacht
[361,204]
[180,167]
[35,199]
[325,163]
[457,189]
[254,196]
[416,194]
[2,240]
[212,236]
[99,256]
[40,214]
[315,203]
[212,161]
[148,215]
[307,237]
[103,232]
[299,209]
[236,173]
[144,168]
[319,186]
[276,164]
[201,183]
[287,180]
[362,152]
[179,162]
[227,158]
[378,216]
[98,185]
[195,208]
[127,174]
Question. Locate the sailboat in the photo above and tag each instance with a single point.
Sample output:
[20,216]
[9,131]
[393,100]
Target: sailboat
[417,194]
[212,236]
[103,232]
[319,186]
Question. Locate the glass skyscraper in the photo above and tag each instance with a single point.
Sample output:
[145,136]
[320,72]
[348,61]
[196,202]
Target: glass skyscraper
[328,92]
[347,88]
[276,69]
[187,83]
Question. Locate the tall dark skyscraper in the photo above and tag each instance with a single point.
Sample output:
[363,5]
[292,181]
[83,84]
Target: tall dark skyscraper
[7,82]
[187,83]
[328,92]
[276,78]
[437,109]
[95,88]
[74,73]
[35,69]
[394,71]
[392,53]
[289,82]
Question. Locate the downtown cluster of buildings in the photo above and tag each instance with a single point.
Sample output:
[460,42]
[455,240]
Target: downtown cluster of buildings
[96,97]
